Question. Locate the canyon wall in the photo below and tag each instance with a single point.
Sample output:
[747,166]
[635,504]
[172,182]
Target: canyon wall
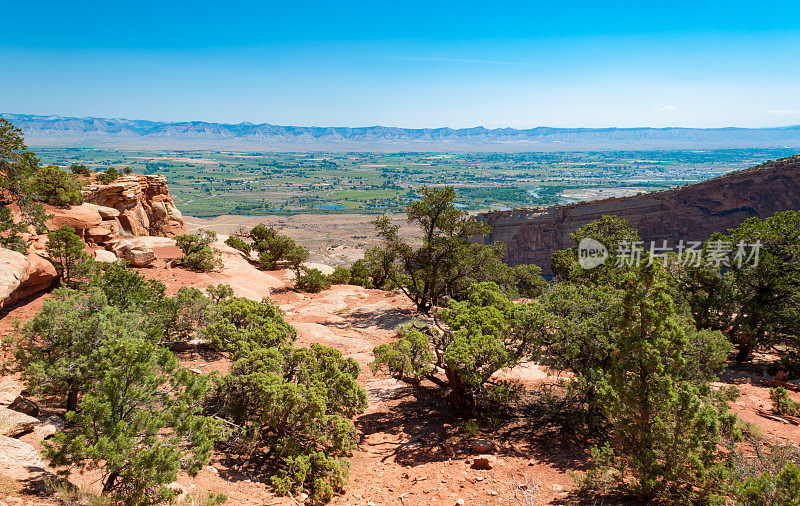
[691,212]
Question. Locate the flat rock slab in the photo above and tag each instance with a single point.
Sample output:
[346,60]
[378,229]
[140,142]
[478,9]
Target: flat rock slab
[19,460]
[13,423]
[10,389]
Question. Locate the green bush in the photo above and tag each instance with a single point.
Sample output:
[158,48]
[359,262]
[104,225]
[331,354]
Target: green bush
[52,185]
[58,348]
[483,334]
[80,170]
[10,231]
[448,261]
[219,293]
[609,231]
[312,281]
[132,412]
[139,424]
[197,254]
[239,324]
[340,276]
[782,404]
[65,251]
[360,274]
[238,244]
[294,407]
[111,174]
[583,319]
[273,248]
[528,280]
[666,422]
[129,291]
[770,477]
[18,166]
[757,306]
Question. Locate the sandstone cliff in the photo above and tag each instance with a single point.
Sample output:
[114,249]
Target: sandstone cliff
[134,205]
[144,204]
[691,212]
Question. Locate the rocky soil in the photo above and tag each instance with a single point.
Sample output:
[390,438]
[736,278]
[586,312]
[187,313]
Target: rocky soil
[411,451]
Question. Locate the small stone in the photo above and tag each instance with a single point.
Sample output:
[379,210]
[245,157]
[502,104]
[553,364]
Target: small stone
[483,462]
[460,501]
[482,445]
[493,492]
[302,496]
[557,487]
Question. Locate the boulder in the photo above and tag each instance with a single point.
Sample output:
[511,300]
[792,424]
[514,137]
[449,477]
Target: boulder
[14,269]
[484,462]
[105,256]
[482,445]
[98,234]
[108,213]
[137,253]
[19,460]
[78,217]
[14,423]
[112,224]
[23,275]
[10,389]
[25,406]
[49,427]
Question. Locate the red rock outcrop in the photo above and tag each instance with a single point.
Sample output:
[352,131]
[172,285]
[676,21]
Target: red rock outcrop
[23,275]
[143,202]
[691,212]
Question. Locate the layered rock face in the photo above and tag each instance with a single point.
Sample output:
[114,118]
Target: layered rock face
[134,205]
[143,202]
[691,213]
[23,275]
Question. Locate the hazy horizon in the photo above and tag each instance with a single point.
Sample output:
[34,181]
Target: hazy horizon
[430,127]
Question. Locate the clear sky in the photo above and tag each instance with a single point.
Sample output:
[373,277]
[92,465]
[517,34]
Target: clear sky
[407,63]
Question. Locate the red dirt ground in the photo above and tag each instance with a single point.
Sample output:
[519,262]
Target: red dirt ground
[411,451]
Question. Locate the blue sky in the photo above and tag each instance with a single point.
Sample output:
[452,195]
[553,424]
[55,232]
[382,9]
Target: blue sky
[410,64]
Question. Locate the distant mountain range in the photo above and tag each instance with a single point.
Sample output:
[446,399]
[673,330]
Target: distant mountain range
[61,131]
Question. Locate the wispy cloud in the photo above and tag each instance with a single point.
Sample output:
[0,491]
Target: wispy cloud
[459,60]
[784,112]
[664,109]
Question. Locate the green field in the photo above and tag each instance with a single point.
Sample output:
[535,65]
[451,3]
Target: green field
[212,183]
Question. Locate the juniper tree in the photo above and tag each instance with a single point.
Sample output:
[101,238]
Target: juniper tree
[239,324]
[58,348]
[139,424]
[294,407]
[612,232]
[197,251]
[476,338]
[666,423]
[450,258]
[65,250]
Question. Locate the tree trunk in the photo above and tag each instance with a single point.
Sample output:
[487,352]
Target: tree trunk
[744,351]
[72,399]
[108,486]
[460,401]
